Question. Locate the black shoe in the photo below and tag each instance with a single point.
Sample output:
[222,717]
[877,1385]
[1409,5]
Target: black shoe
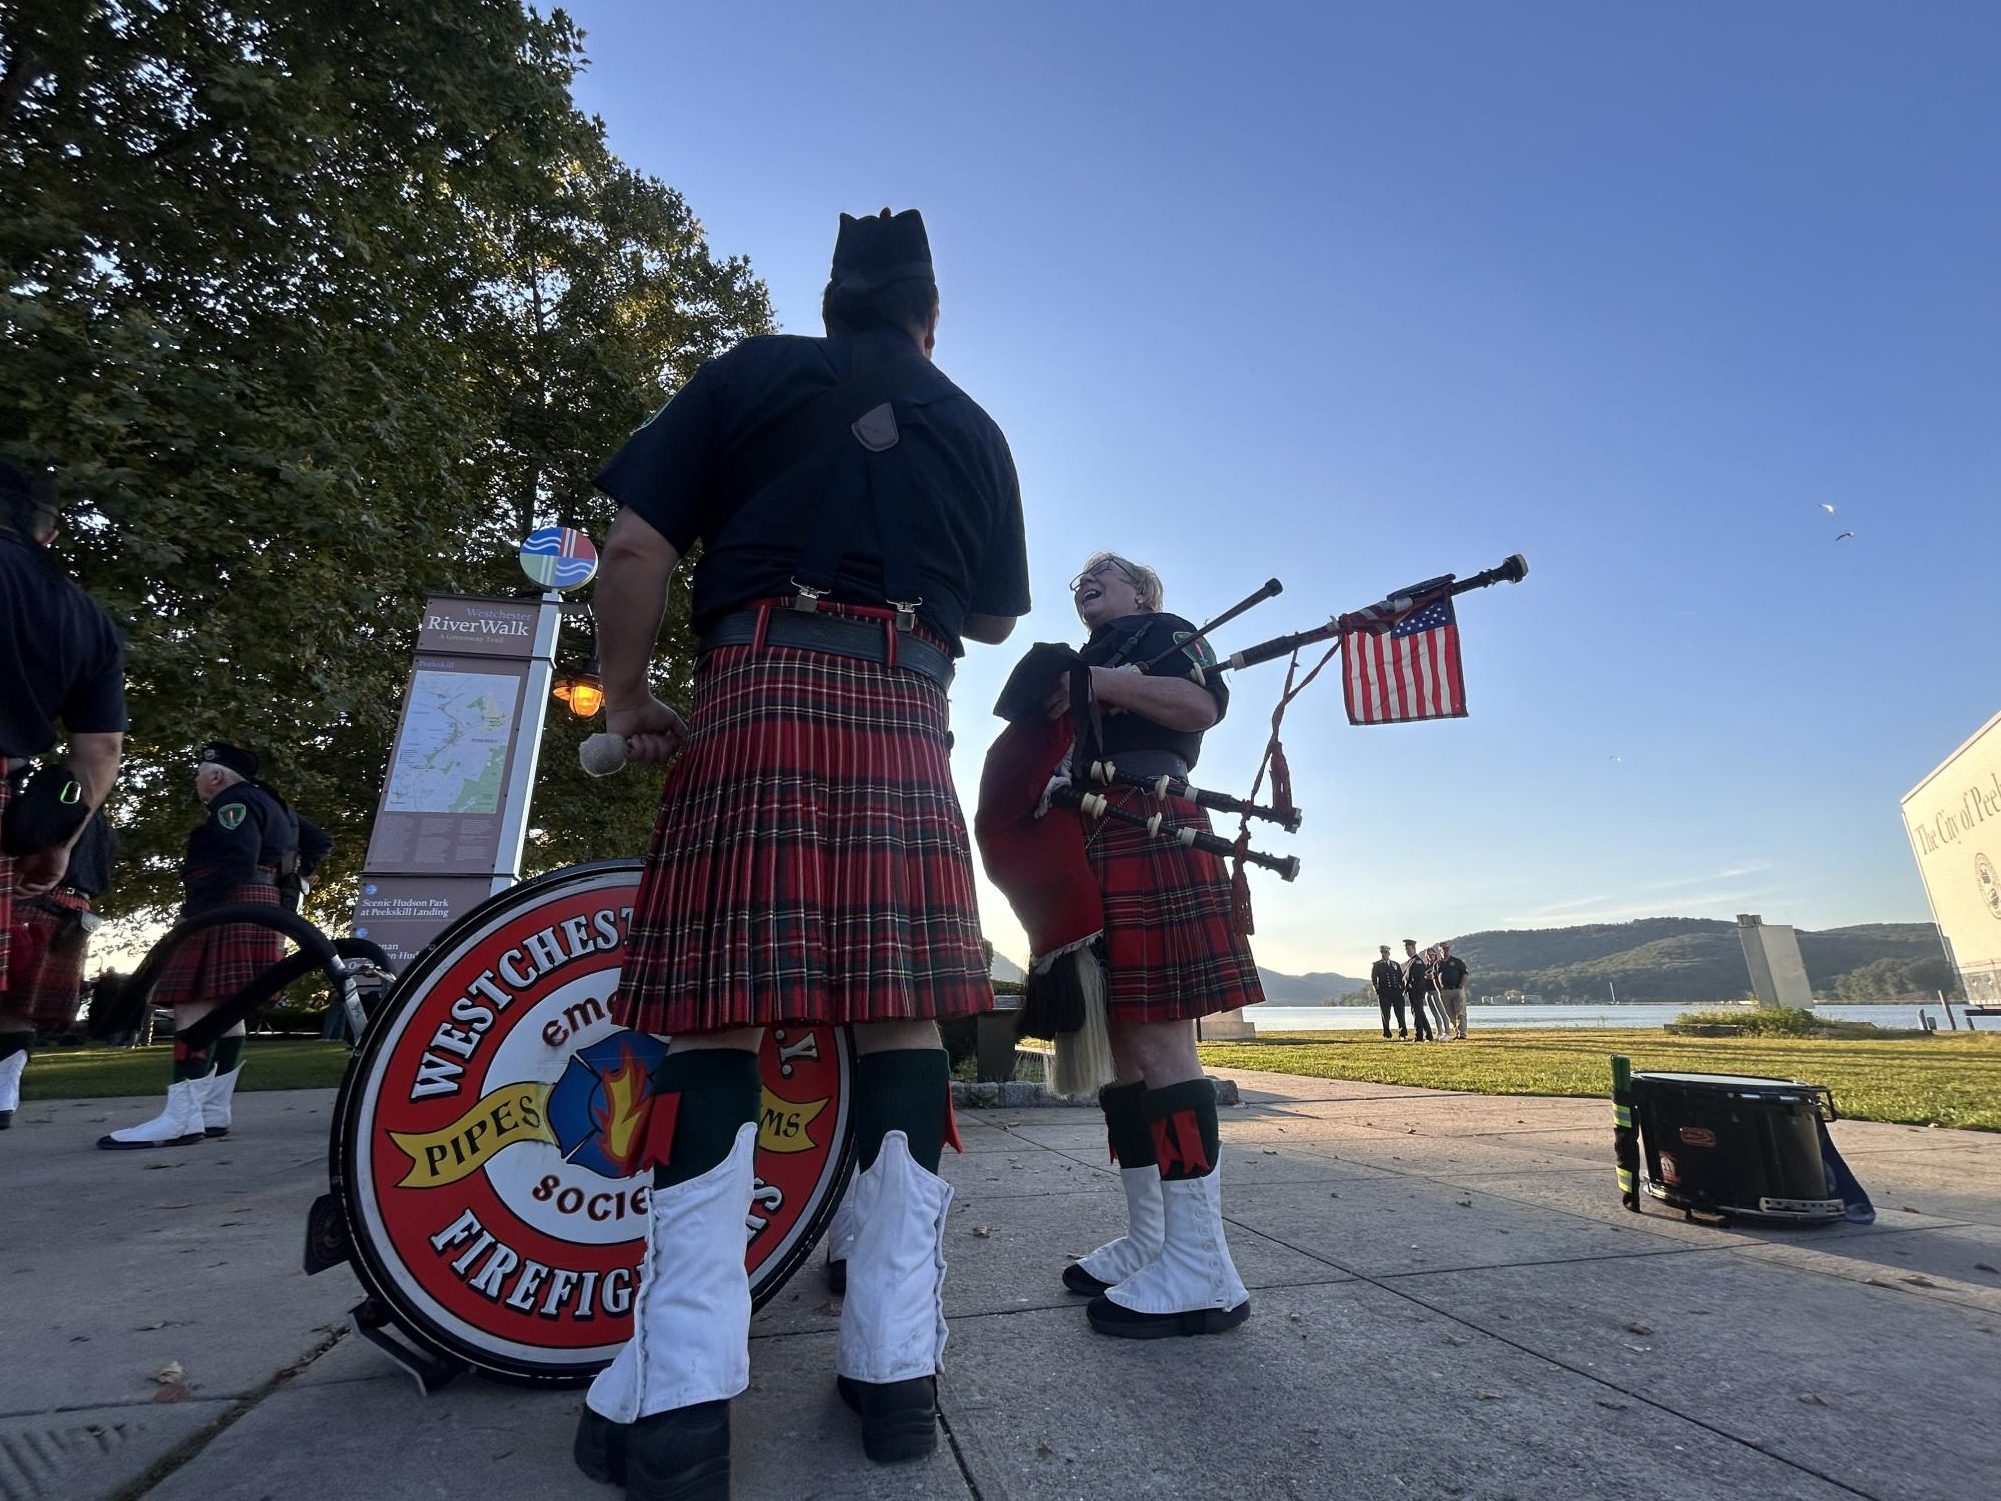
[837,1275]
[600,1448]
[212,1132]
[1121,1322]
[682,1454]
[1080,1281]
[6,1120]
[899,1418]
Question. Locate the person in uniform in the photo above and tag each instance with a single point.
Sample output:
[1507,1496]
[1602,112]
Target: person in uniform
[1386,975]
[61,660]
[1419,986]
[1174,951]
[859,517]
[233,856]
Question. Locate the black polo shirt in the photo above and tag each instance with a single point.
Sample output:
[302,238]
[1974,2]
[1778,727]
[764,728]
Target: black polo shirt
[962,497]
[1139,639]
[60,656]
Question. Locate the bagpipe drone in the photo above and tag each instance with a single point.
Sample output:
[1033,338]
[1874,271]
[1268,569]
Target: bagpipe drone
[1038,786]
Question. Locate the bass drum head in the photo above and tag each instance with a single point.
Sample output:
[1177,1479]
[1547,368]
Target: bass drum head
[479,1132]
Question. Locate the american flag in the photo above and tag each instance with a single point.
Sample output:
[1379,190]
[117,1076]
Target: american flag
[1410,670]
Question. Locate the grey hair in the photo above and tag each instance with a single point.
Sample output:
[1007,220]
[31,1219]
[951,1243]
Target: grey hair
[1142,578]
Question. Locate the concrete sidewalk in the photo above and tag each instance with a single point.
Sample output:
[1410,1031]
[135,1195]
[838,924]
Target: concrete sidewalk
[1448,1300]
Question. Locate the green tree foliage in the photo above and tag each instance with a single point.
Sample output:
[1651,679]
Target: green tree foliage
[315,306]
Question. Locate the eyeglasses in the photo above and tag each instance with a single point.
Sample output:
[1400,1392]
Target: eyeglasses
[1108,566]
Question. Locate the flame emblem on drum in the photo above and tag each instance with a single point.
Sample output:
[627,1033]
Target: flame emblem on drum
[621,1106]
[599,1107]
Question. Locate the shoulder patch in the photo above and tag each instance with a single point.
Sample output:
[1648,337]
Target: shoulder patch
[1200,652]
[230,815]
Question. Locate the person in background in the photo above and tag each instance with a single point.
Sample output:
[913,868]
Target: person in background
[1386,975]
[1451,973]
[232,857]
[1419,987]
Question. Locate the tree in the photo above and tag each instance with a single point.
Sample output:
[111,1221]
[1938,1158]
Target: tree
[313,305]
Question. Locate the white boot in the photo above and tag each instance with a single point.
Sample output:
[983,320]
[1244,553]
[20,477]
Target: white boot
[10,1086]
[213,1094]
[1192,1287]
[893,1317]
[841,1243]
[691,1322]
[179,1125]
[1117,1260]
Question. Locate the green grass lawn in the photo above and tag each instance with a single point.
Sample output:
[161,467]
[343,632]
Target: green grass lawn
[1952,1079]
[89,1073]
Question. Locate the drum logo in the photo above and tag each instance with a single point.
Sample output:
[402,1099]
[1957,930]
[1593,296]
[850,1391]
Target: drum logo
[506,1138]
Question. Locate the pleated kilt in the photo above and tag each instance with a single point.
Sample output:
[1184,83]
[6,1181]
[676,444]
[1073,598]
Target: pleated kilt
[6,884]
[217,962]
[810,861]
[47,984]
[1173,951]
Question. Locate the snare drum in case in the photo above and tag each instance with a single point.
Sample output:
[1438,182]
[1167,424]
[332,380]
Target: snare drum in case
[1729,1144]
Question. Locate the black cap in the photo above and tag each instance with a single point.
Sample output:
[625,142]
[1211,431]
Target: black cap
[28,498]
[873,253]
[230,757]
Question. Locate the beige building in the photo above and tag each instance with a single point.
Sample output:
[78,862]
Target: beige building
[1953,818]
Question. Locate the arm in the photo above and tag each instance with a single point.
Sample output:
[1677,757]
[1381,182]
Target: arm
[631,598]
[222,853]
[988,630]
[1175,703]
[93,761]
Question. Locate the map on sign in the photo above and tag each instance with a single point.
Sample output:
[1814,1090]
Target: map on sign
[453,750]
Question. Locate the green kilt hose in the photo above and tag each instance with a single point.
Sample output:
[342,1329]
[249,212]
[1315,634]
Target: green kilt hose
[1172,948]
[46,987]
[810,861]
[217,962]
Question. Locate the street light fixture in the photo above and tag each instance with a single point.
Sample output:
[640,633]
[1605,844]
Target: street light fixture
[582,691]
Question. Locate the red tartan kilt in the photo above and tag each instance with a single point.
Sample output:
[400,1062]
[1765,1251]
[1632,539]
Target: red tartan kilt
[810,861]
[1173,951]
[217,962]
[47,986]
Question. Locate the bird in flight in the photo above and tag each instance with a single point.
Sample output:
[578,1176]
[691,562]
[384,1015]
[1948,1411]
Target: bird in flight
[1827,508]
[1844,536]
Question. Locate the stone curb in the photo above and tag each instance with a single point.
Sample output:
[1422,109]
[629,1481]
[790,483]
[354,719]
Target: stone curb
[1024,1094]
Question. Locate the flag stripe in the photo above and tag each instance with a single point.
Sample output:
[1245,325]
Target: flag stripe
[1407,672]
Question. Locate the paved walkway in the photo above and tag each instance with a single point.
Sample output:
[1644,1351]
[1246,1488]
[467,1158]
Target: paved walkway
[1448,1300]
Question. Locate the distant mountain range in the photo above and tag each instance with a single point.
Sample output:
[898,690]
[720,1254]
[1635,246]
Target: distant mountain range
[1649,959]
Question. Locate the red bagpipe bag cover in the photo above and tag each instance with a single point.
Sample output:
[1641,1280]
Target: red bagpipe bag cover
[1038,863]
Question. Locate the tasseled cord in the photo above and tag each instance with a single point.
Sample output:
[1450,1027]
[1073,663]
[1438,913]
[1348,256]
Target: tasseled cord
[1281,786]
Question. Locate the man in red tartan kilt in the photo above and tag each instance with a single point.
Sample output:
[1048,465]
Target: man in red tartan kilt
[1173,952]
[859,516]
[233,856]
[61,660]
[53,933]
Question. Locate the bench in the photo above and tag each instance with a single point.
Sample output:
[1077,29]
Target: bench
[993,1041]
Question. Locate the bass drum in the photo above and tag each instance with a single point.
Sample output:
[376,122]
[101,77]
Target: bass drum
[480,1134]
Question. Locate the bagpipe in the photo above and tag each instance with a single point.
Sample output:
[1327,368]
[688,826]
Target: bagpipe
[1036,788]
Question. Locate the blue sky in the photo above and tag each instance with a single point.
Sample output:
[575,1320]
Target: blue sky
[1358,295]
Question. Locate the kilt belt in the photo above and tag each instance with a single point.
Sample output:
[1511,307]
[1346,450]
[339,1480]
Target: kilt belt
[839,635]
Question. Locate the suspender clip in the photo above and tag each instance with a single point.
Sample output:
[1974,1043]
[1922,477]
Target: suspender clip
[806,598]
[906,613]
